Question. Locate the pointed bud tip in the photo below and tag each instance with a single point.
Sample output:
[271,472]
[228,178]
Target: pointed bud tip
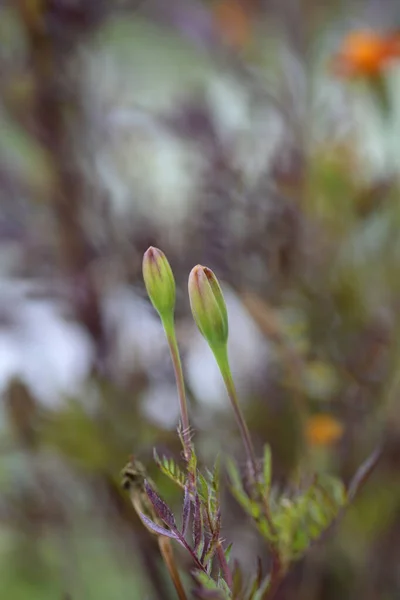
[208,305]
[159,281]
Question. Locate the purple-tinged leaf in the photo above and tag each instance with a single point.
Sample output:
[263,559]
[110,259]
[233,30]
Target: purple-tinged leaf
[209,594]
[161,509]
[217,522]
[197,523]
[157,529]
[186,511]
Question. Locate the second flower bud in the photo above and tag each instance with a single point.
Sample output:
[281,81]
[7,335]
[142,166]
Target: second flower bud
[208,306]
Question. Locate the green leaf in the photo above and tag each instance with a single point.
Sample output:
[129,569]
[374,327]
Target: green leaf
[237,486]
[252,507]
[203,488]
[212,547]
[192,465]
[228,552]
[255,582]
[304,518]
[237,577]
[171,470]
[208,585]
[267,470]
[259,595]
[224,586]
[216,475]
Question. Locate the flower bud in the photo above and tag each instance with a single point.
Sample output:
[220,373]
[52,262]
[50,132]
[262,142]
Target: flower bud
[208,305]
[159,281]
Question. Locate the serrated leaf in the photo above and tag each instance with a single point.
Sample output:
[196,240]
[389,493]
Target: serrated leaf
[192,464]
[216,476]
[251,507]
[161,508]
[203,488]
[214,510]
[171,470]
[186,511]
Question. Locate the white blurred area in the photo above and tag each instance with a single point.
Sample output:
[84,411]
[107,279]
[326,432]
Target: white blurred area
[53,355]
[132,84]
[139,342]
[141,73]
[50,354]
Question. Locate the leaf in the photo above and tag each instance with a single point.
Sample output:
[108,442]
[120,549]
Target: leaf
[224,586]
[252,507]
[206,546]
[161,509]
[260,594]
[203,488]
[256,581]
[209,594]
[237,576]
[197,524]
[208,587]
[213,500]
[267,468]
[171,470]
[237,486]
[304,518]
[186,511]
[157,529]
[192,465]
[228,551]
[211,548]
[334,487]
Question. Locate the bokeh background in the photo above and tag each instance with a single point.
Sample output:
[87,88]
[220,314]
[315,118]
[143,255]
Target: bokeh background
[258,137]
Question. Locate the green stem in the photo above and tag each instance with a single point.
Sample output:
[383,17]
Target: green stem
[180,384]
[221,356]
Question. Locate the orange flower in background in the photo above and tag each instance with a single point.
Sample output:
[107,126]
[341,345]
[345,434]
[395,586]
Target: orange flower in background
[234,22]
[323,430]
[366,53]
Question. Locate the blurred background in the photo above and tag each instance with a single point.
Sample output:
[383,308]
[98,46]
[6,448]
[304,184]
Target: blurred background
[258,137]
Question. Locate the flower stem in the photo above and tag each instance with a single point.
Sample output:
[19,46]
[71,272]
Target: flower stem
[180,384]
[221,356]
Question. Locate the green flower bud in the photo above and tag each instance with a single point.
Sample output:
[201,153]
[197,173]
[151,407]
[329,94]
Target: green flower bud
[159,281]
[208,306]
